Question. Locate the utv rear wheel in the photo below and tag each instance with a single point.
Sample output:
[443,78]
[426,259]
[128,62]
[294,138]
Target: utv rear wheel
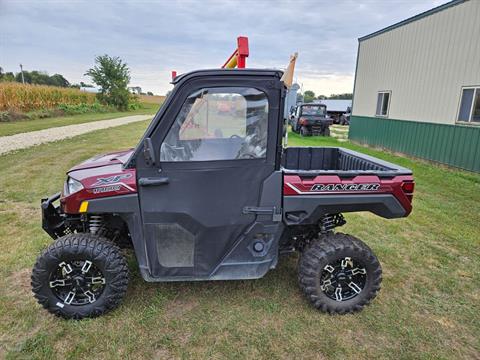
[80,275]
[339,274]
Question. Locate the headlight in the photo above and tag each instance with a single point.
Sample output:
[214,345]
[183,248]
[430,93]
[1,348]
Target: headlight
[72,186]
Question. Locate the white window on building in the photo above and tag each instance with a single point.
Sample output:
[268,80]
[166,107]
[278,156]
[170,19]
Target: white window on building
[469,105]
[383,103]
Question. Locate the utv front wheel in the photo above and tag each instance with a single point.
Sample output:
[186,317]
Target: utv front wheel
[80,275]
[339,274]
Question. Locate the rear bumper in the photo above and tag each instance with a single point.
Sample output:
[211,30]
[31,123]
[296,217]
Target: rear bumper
[53,220]
[319,123]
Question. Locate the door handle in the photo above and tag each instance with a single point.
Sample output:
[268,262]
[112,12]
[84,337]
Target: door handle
[153,181]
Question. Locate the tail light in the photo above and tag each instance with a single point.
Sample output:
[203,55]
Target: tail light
[408,188]
[302,121]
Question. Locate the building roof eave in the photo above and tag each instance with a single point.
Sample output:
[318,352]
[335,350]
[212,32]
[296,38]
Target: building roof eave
[412,19]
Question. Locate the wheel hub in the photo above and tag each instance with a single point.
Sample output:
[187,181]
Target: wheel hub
[77,282]
[343,279]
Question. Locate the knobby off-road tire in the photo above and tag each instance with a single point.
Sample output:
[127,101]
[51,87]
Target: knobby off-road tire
[321,273]
[304,131]
[60,268]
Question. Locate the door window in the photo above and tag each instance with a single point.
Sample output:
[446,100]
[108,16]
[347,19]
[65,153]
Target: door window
[224,123]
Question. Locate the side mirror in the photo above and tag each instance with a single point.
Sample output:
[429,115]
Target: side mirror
[148,152]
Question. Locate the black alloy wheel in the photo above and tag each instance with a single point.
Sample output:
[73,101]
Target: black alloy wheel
[339,274]
[78,282]
[343,279]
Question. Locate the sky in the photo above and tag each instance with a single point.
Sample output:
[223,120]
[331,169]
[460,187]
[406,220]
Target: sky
[156,37]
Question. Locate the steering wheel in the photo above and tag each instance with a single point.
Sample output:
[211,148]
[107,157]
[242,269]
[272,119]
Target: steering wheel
[247,155]
[169,152]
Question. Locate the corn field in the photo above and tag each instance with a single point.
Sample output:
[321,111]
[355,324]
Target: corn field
[19,97]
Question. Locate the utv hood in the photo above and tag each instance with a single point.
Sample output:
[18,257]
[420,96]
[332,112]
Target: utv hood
[100,176]
[114,158]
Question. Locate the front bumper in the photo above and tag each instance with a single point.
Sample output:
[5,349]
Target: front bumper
[53,219]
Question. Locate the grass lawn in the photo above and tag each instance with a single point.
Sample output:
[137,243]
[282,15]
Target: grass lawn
[429,306]
[15,127]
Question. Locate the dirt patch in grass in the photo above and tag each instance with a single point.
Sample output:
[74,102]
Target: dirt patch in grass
[179,306]
[19,283]
[163,354]
[20,209]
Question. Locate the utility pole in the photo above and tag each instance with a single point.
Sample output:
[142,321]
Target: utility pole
[21,70]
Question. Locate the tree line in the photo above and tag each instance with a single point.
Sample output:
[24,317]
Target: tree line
[39,78]
[309,96]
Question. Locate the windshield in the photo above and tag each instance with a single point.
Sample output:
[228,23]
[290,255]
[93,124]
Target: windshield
[315,110]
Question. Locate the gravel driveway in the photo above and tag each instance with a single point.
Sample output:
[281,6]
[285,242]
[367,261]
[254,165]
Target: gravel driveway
[25,140]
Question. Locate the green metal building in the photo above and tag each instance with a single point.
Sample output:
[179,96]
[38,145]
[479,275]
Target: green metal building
[417,86]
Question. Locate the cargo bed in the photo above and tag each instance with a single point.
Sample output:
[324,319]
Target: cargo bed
[336,160]
[329,180]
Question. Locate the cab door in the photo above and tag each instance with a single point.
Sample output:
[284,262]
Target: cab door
[215,145]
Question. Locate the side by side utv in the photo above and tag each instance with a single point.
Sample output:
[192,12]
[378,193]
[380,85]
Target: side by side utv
[210,193]
[311,119]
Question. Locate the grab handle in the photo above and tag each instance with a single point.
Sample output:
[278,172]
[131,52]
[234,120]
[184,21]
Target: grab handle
[153,182]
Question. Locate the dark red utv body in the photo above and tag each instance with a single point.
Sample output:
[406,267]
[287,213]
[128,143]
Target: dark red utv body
[392,188]
[212,195]
[101,176]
